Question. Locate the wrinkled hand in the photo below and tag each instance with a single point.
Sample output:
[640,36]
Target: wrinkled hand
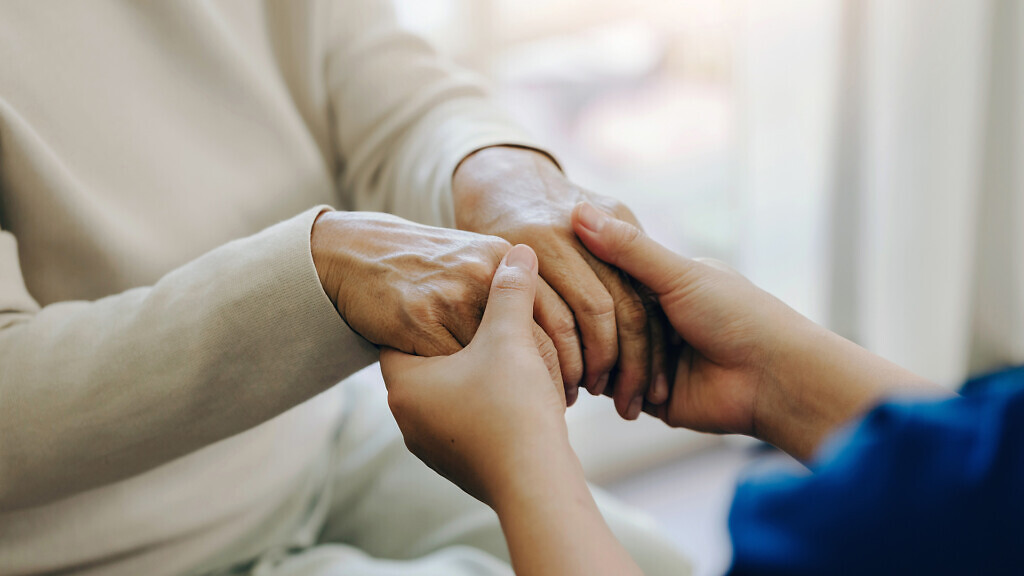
[407,286]
[619,347]
[476,415]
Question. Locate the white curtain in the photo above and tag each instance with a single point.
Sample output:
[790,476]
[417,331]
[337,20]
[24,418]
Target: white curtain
[882,147]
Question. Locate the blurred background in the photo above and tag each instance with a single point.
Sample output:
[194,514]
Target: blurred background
[862,160]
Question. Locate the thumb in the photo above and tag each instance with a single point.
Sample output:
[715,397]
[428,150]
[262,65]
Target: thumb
[627,248]
[510,303]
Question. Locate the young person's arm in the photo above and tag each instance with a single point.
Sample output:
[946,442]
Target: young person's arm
[551,521]
[490,418]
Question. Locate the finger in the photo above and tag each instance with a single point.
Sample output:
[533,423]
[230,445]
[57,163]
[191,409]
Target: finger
[594,309]
[627,247]
[510,304]
[547,351]
[657,392]
[632,373]
[659,411]
[555,317]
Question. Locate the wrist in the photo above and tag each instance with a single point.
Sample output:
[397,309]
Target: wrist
[495,168]
[818,382]
[537,472]
[328,233]
[321,237]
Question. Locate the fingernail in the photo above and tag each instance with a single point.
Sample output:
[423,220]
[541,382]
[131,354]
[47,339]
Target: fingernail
[571,395]
[634,408]
[591,218]
[521,256]
[600,385]
[661,388]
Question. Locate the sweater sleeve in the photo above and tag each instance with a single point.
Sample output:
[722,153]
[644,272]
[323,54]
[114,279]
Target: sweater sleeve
[402,116]
[94,392]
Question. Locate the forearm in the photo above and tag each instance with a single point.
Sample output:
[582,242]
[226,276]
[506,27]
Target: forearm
[552,524]
[403,116]
[94,392]
[823,382]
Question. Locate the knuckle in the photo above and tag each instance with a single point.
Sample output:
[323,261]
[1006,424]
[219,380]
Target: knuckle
[563,327]
[632,318]
[497,246]
[478,277]
[600,307]
[421,311]
[466,297]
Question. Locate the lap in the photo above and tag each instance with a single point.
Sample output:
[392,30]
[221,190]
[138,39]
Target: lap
[340,559]
[385,513]
[387,503]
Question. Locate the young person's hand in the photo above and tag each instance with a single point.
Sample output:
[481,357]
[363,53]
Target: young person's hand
[491,418]
[475,415]
[747,363]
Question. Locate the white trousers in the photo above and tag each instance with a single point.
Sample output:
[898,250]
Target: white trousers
[385,513]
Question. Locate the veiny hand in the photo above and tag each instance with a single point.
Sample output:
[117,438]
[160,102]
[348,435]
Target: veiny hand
[475,415]
[411,287]
[619,348]
[748,363]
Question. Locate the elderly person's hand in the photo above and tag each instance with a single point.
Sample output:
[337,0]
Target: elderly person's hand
[522,196]
[407,286]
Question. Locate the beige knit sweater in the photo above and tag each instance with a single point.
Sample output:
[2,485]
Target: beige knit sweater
[163,333]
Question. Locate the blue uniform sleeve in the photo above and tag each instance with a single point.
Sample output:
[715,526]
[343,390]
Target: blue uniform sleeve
[915,488]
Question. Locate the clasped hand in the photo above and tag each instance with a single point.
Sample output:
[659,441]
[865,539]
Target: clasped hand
[746,363]
[422,290]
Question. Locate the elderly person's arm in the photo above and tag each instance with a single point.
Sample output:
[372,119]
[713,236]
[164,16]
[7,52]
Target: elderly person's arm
[94,392]
[402,117]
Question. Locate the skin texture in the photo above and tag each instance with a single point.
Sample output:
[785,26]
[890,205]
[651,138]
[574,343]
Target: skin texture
[490,418]
[748,363]
[407,286]
[609,333]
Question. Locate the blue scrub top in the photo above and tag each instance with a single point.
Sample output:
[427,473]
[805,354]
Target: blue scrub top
[925,487]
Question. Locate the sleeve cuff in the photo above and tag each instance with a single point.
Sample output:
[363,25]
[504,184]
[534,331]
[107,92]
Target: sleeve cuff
[298,318]
[442,139]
